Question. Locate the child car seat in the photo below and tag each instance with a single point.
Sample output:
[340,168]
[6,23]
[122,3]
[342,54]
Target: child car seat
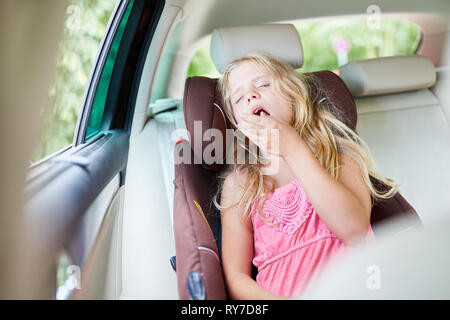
[196,221]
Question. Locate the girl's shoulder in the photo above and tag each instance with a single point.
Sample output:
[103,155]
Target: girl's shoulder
[233,187]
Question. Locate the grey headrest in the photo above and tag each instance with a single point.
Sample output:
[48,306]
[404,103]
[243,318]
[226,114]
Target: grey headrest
[388,75]
[279,40]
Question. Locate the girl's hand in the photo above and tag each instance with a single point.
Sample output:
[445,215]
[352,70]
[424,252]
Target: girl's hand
[274,137]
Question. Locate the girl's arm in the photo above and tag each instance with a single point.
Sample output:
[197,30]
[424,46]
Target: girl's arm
[237,249]
[343,205]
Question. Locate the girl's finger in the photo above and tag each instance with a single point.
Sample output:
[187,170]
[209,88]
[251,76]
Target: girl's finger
[251,118]
[250,133]
[250,125]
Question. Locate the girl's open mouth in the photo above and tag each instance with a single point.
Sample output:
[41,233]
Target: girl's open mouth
[259,110]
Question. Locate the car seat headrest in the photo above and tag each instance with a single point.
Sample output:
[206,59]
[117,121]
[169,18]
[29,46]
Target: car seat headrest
[279,40]
[388,75]
[203,102]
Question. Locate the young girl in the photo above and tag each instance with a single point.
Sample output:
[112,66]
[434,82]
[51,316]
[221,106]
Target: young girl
[288,222]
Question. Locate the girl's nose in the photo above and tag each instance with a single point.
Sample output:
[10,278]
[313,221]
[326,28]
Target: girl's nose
[252,95]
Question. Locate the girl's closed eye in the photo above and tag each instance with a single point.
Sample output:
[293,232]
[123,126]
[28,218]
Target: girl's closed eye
[262,83]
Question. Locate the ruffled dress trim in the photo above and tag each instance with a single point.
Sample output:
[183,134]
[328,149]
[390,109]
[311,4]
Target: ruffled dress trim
[287,207]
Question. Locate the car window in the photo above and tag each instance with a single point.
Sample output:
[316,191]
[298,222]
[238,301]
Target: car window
[84,29]
[331,43]
[328,45]
[98,107]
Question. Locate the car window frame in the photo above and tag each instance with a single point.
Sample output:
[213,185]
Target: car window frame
[96,73]
[91,87]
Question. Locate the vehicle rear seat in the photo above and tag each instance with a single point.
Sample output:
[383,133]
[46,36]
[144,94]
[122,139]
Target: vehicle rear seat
[405,127]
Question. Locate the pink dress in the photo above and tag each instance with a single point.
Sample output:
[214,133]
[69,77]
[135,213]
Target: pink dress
[289,252]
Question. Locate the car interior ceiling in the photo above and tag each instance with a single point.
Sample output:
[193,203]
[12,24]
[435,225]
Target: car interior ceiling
[396,126]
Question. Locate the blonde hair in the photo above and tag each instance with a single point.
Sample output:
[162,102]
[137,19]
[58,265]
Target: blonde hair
[326,136]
